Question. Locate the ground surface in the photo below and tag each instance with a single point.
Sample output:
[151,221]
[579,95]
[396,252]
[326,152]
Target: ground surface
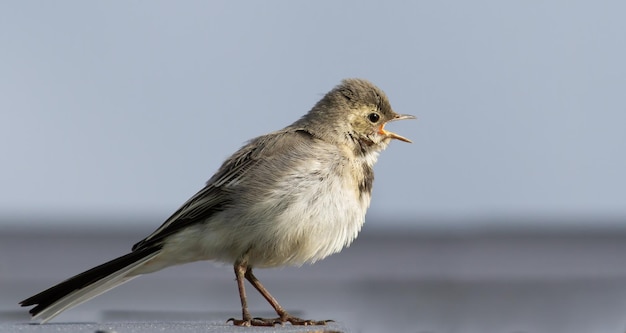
[473,282]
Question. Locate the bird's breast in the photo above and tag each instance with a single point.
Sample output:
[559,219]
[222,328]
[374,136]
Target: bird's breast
[323,209]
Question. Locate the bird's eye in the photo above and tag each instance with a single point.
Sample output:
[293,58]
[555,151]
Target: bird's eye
[373,117]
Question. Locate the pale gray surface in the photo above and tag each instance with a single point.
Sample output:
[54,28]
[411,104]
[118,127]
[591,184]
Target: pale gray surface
[157,326]
[124,108]
[469,282]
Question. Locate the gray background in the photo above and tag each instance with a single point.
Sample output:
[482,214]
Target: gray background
[385,282]
[506,214]
[123,109]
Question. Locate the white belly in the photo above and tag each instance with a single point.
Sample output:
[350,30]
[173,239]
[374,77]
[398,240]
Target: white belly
[302,220]
[321,222]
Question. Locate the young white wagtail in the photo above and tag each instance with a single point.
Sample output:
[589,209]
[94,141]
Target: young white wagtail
[289,197]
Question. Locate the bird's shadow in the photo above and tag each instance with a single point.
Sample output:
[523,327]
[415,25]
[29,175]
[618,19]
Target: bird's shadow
[172,316]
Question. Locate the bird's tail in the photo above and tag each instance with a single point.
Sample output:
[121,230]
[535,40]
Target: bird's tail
[89,284]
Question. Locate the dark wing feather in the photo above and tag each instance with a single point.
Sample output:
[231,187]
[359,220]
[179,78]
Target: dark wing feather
[201,206]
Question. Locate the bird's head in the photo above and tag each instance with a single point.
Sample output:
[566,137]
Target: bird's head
[355,112]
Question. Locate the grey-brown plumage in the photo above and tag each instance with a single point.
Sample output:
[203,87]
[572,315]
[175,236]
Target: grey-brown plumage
[290,197]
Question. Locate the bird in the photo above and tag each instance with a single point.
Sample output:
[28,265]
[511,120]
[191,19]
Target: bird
[287,198]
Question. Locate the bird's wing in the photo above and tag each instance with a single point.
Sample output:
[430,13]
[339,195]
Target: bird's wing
[217,194]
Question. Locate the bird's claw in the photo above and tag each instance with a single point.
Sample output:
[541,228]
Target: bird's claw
[280,320]
[306,322]
[252,322]
[296,321]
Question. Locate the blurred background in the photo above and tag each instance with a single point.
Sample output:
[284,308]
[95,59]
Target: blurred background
[124,109]
[114,113]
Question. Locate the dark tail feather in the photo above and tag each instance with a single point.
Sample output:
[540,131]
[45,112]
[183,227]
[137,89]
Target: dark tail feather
[85,280]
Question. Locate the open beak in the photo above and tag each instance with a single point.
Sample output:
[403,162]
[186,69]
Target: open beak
[382,131]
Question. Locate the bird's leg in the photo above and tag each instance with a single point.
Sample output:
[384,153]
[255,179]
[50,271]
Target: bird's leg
[283,316]
[246,320]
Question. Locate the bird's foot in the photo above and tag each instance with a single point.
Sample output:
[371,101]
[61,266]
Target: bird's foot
[280,320]
[299,321]
[253,322]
